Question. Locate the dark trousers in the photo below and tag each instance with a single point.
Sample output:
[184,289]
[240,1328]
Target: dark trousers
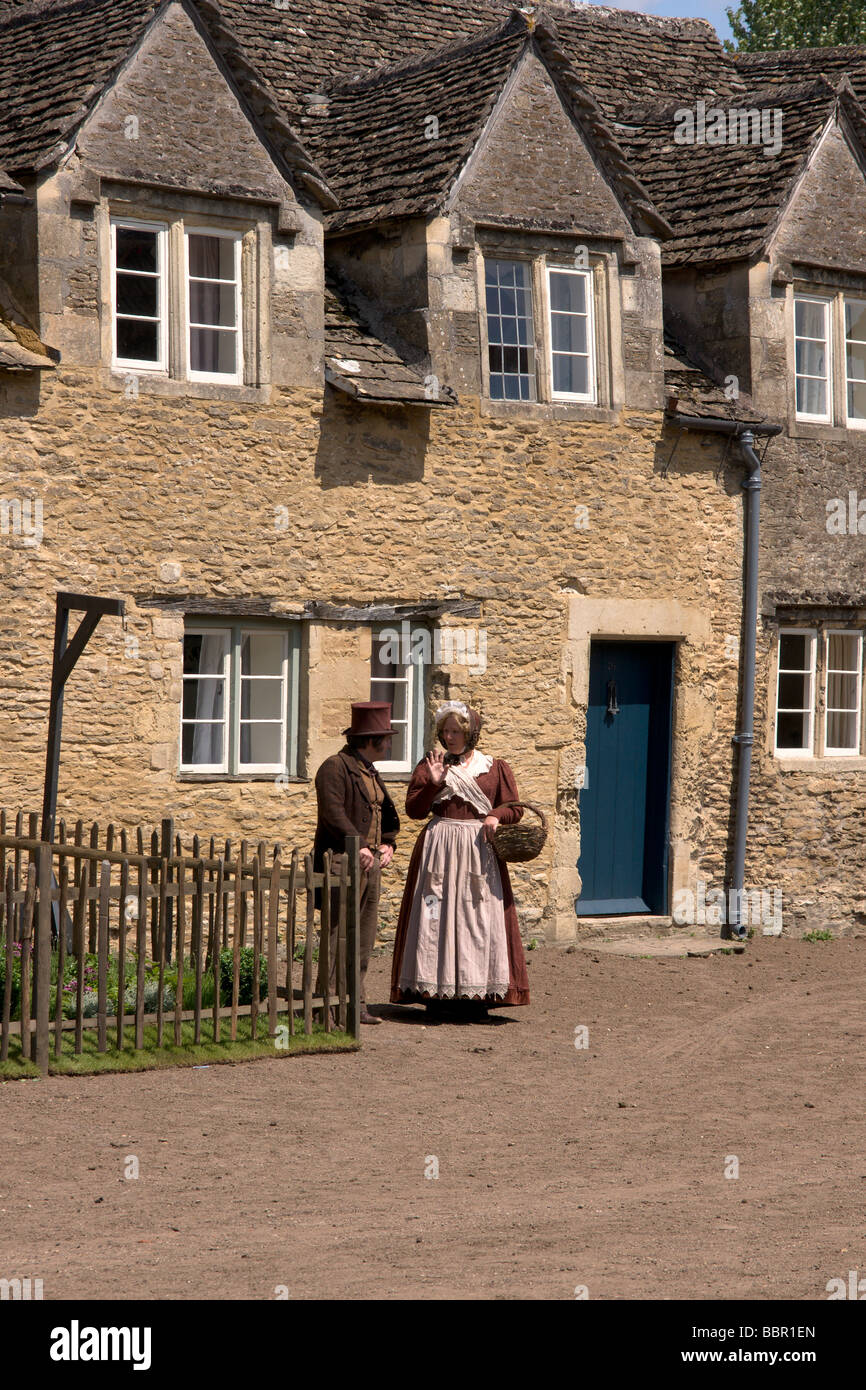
[368,926]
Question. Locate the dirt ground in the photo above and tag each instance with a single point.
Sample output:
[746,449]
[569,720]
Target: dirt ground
[558,1166]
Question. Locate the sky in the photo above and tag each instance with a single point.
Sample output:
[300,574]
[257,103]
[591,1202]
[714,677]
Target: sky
[713,10]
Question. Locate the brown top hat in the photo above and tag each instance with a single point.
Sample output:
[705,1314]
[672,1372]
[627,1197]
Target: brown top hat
[370,718]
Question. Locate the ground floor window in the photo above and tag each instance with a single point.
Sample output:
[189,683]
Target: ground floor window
[399,659]
[819,691]
[239,711]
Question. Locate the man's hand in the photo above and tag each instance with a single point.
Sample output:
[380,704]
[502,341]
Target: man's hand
[366,858]
[436,764]
[490,825]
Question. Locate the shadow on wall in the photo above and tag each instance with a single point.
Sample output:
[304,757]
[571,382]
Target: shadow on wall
[367,443]
[19,394]
[676,453]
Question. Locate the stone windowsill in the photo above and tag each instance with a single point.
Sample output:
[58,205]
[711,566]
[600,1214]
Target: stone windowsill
[243,777]
[547,410]
[821,765]
[160,384]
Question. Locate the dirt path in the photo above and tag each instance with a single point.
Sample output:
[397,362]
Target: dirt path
[558,1167]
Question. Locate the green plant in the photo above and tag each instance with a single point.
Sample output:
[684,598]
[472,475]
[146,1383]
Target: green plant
[245,984]
[818,936]
[533,945]
[300,947]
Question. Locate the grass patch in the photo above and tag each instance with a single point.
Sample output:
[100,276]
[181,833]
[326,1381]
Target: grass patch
[818,936]
[188,1054]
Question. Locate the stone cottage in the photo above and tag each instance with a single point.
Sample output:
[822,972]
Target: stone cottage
[404,350]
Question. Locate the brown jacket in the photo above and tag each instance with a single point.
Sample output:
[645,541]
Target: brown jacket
[344,807]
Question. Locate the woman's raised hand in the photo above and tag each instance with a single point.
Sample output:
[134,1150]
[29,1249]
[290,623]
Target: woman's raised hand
[436,764]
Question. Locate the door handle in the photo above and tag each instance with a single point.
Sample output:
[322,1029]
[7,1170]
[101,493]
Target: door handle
[612,705]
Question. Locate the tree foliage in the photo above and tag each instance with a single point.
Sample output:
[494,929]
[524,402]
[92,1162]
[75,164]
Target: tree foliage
[760,25]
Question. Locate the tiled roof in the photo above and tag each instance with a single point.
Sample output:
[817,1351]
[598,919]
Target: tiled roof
[359,363]
[383,158]
[802,64]
[21,349]
[58,56]
[723,200]
[690,391]
[8,185]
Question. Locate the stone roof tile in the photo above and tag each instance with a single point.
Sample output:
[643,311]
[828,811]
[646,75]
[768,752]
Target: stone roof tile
[362,365]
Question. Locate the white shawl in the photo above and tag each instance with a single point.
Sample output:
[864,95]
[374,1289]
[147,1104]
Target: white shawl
[460,781]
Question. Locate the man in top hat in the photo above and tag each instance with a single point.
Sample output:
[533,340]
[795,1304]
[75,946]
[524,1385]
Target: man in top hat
[352,800]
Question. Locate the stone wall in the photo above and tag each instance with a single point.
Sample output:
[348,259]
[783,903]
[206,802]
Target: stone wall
[178,497]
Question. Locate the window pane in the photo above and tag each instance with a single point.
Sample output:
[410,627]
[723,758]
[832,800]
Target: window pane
[510,323]
[138,294]
[857,400]
[811,396]
[794,651]
[261,698]
[793,692]
[567,293]
[792,731]
[856,360]
[843,651]
[842,691]
[855,319]
[202,743]
[212,303]
[809,319]
[842,730]
[212,350]
[261,743]
[568,333]
[262,653]
[136,250]
[212,257]
[571,374]
[203,699]
[137,339]
[811,358]
[395,693]
[203,653]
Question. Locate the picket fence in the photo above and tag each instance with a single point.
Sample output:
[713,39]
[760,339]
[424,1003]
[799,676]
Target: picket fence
[151,908]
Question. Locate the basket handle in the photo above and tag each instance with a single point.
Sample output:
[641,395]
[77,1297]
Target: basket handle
[527,806]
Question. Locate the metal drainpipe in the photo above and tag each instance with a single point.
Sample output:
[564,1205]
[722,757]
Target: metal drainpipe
[744,739]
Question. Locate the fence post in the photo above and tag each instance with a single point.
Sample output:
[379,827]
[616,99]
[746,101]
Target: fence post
[166,851]
[353,934]
[42,1041]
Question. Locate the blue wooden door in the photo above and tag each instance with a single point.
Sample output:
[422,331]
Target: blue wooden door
[624,803]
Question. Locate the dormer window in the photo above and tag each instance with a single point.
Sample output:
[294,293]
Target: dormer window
[510,330]
[830,359]
[138,274]
[541,331]
[213,263]
[198,272]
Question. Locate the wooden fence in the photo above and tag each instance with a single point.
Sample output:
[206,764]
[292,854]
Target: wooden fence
[75,914]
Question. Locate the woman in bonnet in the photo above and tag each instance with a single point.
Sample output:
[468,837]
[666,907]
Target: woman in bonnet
[457,934]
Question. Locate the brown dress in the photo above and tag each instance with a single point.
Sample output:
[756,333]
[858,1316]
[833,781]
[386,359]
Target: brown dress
[499,786]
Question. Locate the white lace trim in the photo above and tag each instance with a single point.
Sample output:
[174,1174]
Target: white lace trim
[498,990]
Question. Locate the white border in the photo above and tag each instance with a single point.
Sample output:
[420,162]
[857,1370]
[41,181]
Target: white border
[829,632]
[809,750]
[230,379]
[826,419]
[137,364]
[590,397]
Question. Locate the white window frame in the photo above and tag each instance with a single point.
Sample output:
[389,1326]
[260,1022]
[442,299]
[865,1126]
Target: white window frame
[827,302]
[415,690]
[532,345]
[852,422]
[280,766]
[812,634]
[590,397]
[224,632]
[225,378]
[829,751]
[137,364]
[234,632]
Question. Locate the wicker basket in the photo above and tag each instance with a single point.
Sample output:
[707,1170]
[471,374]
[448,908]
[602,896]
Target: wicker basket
[517,843]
